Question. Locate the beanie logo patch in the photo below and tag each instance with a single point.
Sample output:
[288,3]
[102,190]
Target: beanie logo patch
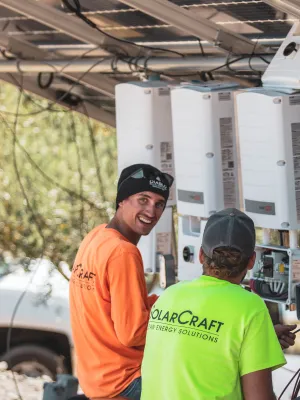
[157,184]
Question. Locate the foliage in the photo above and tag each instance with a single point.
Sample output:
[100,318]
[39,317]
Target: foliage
[54,185]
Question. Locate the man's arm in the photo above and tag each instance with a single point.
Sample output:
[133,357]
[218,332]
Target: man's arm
[152,299]
[260,354]
[129,302]
[258,385]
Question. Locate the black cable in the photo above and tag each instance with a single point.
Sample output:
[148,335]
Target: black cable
[61,98]
[48,108]
[228,63]
[296,388]
[49,81]
[32,212]
[207,72]
[195,73]
[80,172]
[201,47]
[250,58]
[262,288]
[93,144]
[30,208]
[76,9]
[262,58]
[4,54]
[26,95]
[14,131]
[290,381]
[48,178]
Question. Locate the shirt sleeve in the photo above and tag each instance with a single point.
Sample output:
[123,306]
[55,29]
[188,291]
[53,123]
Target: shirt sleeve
[260,348]
[129,302]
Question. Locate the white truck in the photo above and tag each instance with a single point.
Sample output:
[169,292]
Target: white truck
[34,316]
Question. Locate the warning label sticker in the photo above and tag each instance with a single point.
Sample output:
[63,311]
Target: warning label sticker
[294,100]
[166,162]
[296,270]
[224,96]
[163,242]
[228,167]
[296,161]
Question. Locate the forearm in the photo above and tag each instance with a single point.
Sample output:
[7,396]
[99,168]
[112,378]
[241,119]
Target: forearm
[152,299]
[258,385]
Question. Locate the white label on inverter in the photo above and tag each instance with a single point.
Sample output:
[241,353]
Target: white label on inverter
[294,100]
[166,162]
[296,161]
[224,96]
[163,242]
[164,91]
[228,167]
[296,270]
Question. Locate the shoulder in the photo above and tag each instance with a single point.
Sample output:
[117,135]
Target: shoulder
[122,247]
[125,257]
[174,290]
[124,252]
[111,241]
[252,299]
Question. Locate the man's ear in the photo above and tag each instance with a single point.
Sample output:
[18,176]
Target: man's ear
[251,261]
[201,256]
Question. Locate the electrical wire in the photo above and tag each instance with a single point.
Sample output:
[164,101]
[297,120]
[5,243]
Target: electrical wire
[49,81]
[76,9]
[80,172]
[15,142]
[61,98]
[195,73]
[201,47]
[48,178]
[93,143]
[288,384]
[262,288]
[34,218]
[296,388]
[76,82]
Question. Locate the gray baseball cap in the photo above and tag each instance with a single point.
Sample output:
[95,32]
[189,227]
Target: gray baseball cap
[229,228]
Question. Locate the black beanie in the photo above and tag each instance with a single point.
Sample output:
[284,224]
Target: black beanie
[150,183]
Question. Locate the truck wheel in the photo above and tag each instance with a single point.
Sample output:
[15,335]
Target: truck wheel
[33,361]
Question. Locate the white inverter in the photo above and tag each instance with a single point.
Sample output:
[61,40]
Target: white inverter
[144,135]
[269,138]
[144,126]
[205,163]
[204,148]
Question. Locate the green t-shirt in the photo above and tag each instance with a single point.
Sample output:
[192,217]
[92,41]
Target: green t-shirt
[202,337]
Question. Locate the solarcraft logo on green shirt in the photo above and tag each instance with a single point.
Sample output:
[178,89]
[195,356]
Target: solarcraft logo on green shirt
[185,323]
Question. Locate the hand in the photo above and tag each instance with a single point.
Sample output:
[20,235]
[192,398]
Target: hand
[285,336]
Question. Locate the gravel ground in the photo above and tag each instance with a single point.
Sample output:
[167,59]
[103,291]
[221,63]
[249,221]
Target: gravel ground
[29,388]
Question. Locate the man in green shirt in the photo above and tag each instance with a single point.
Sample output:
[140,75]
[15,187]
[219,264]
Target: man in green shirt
[209,339]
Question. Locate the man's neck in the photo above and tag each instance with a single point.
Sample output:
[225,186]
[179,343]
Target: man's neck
[236,281]
[124,229]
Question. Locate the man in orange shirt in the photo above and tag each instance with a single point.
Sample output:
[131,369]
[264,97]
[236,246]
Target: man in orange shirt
[108,297]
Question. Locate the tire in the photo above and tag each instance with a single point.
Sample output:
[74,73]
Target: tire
[34,361]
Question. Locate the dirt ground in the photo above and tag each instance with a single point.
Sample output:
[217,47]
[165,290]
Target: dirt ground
[28,388]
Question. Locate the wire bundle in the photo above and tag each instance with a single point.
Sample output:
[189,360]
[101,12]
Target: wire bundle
[296,386]
[263,289]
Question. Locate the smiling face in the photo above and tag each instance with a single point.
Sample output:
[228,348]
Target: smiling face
[141,212]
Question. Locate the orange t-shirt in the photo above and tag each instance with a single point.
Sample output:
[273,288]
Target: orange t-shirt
[109,312]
